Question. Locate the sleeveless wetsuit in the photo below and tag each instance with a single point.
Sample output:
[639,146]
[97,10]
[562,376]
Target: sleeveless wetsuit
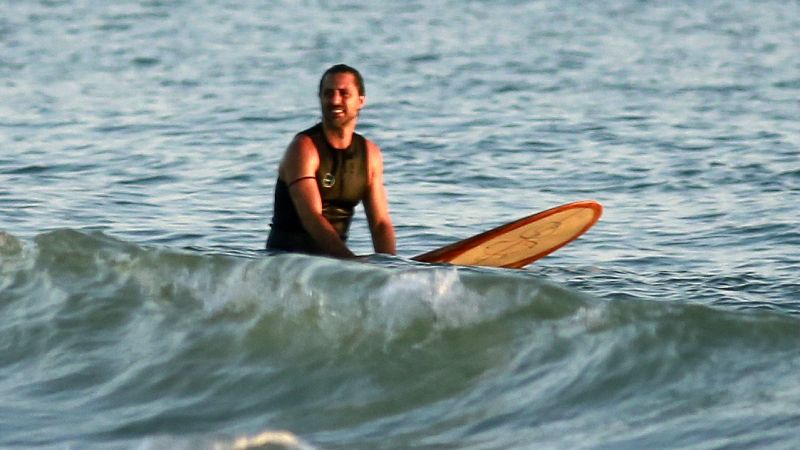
[342,180]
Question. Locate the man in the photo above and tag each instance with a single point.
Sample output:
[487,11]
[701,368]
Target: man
[326,171]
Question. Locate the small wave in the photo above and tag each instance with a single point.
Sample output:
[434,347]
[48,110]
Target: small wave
[339,301]
[384,297]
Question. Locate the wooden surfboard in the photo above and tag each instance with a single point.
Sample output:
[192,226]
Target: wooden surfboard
[519,243]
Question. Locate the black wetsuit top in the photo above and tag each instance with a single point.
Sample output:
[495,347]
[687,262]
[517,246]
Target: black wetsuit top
[342,180]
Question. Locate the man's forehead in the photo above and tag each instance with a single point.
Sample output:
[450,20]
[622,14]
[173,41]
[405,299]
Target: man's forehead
[339,80]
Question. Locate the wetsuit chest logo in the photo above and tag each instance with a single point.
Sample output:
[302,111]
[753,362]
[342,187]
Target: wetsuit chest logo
[328,180]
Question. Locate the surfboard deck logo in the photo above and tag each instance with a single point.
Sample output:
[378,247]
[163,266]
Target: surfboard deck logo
[520,243]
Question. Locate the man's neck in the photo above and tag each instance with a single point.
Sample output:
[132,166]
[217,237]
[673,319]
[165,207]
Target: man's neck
[339,137]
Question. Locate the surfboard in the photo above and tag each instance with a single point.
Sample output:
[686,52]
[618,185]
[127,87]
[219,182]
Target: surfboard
[523,241]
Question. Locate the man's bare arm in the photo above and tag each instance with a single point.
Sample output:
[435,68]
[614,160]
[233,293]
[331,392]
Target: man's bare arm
[376,205]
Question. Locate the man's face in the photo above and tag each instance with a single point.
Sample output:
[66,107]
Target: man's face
[340,100]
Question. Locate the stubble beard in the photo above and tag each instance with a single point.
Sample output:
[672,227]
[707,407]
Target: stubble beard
[338,123]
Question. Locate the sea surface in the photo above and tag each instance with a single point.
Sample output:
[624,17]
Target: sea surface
[138,149]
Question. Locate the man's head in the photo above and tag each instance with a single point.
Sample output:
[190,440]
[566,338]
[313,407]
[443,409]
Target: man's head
[341,96]
[344,68]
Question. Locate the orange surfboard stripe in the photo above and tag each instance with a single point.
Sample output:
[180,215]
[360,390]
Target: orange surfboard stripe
[519,243]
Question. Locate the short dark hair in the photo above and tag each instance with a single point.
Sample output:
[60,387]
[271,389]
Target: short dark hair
[344,68]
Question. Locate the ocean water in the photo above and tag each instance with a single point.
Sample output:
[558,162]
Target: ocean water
[138,150]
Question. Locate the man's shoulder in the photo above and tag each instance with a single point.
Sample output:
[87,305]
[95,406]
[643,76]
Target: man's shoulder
[302,139]
[373,154]
[370,145]
[302,146]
